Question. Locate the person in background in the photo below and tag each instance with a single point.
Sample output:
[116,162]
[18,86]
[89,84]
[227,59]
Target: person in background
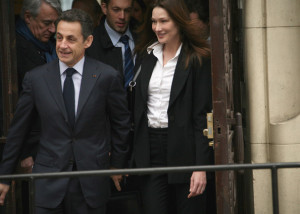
[199,12]
[113,37]
[138,13]
[74,97]
[148,2]
[35,46]
[114,41]
[34,34]
[173,95]
[113,44]
[92,7]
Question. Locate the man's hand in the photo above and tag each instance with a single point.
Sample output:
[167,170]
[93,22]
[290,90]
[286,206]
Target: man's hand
[27,165]
[3,191]
[117,179]
[198,183]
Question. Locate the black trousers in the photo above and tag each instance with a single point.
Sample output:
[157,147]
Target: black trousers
[73,202]
[160,197]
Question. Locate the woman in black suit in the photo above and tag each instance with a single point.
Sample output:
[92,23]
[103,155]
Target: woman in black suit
[173,95]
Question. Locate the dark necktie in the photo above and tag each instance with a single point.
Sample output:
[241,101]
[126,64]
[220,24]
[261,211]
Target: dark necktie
[128,69]
[69,95]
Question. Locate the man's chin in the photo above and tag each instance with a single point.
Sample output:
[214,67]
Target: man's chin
[45,40]
[121,30]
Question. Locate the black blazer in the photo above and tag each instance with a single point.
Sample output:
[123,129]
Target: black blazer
[190,100]
[102,96]
[29,57]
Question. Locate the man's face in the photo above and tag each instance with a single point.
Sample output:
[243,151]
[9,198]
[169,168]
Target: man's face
[70,44]
[118,14]
[42,26]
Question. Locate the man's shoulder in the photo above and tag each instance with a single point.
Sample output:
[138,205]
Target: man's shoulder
[101,42]
[39,70]
[100,32]
[100,65]
[100,27]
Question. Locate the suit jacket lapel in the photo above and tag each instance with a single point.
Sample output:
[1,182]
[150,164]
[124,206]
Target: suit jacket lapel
[146,72]
[179,78]
[53,80]
[91,73]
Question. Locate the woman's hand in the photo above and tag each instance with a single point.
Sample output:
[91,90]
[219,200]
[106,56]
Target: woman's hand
[198,183]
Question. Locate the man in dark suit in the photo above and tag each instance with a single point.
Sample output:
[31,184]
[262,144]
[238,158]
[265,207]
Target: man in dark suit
[74,97]
[107,46]
[35,46]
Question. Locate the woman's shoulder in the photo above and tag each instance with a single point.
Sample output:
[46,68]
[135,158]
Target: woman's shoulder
[204,63]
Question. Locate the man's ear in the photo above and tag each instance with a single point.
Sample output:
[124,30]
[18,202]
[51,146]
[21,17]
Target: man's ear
[104,8]
[88,42]
[27,17]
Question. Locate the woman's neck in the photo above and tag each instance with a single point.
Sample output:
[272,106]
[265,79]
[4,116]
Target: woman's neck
[169,51]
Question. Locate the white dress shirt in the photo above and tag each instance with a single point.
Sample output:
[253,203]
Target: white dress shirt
[160,87]
[77,76]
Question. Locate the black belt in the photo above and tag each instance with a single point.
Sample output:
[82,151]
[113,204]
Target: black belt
[158,130]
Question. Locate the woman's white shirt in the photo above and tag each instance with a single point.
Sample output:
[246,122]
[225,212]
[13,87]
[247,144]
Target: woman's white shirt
[160,87]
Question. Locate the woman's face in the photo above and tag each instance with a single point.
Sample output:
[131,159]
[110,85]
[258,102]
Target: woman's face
[137,12]
[164,27]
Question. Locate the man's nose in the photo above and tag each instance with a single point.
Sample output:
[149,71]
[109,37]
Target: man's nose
[63,44]
[122,14]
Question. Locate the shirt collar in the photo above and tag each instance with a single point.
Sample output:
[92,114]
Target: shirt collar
[114,35]
[78,66]
[157,48]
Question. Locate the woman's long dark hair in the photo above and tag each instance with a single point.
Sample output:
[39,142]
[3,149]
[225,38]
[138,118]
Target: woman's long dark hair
[194,45]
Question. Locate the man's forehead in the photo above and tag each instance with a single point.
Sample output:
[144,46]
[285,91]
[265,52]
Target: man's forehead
[64,27]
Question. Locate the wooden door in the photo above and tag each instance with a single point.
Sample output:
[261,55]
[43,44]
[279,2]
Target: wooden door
[226,40]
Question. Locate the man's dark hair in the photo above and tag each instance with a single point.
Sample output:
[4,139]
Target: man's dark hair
[96,8]
[76,15]
[201,7]
[107,1]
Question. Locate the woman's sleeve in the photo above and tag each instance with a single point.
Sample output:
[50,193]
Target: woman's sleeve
[202,104]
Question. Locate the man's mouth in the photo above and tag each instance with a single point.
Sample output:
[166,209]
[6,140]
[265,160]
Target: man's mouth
[64,53]
[121,24]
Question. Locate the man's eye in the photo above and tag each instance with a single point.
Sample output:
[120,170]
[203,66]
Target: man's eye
[47,23]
